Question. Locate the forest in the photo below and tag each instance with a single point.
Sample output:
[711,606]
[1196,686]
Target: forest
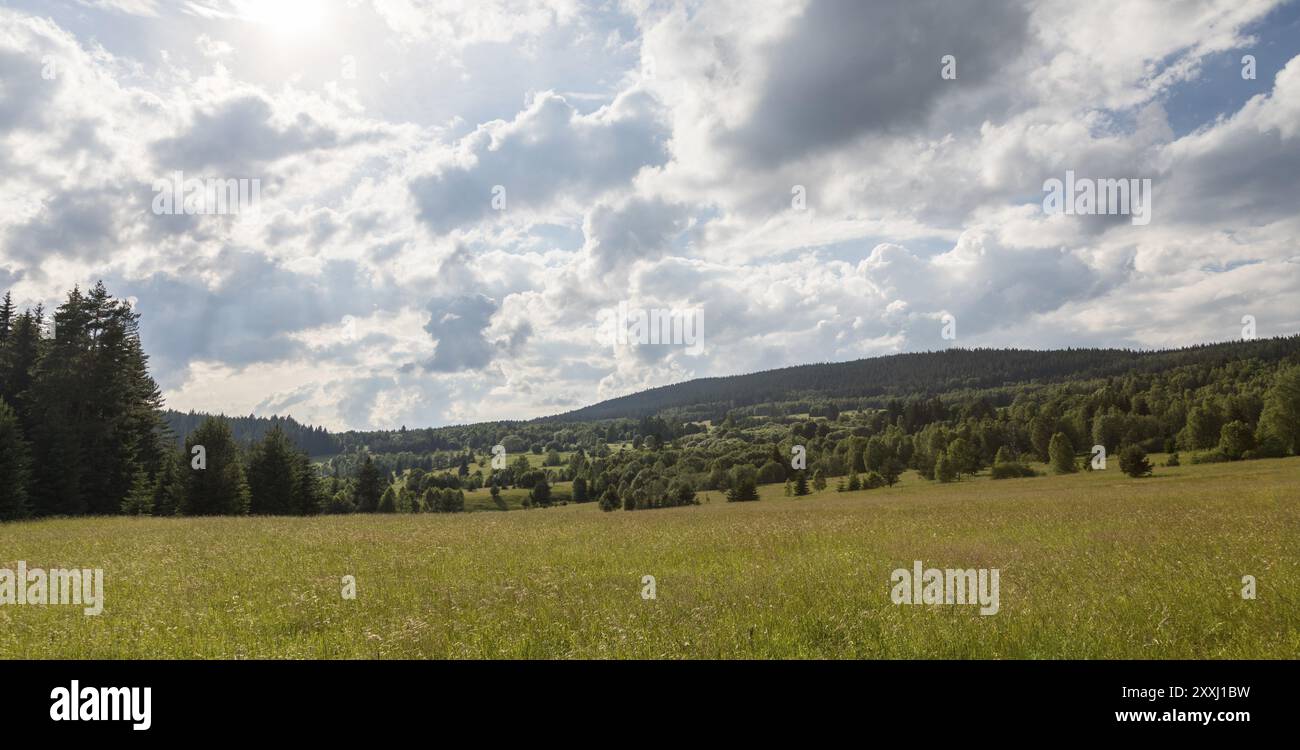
[83,429]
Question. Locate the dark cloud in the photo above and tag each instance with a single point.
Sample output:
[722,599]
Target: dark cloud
[458,325]
[848,68]
[249,317]
[638,229]
[80,224]
[238,135]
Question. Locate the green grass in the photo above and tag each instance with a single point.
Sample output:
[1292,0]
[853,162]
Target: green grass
[1092,566]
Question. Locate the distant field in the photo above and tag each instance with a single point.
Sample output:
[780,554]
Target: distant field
[1092,566]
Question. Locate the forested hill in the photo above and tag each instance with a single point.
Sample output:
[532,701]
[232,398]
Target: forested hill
[316,441]
[918,374]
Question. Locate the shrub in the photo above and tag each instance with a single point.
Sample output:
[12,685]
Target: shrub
[1061,452]
[1012,470]
[1133,461]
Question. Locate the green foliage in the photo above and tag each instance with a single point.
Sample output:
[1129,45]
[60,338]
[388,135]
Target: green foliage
[368,488]
[219,488]
[139,501]
[1061,452]
[1011,470]
[1235,439]
[944,470]
[1280,420]
[540,495]
[1133,461]
[14,465]
[388,501]
[744,484]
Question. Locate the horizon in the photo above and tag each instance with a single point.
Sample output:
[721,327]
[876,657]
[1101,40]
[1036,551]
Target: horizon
[713,377]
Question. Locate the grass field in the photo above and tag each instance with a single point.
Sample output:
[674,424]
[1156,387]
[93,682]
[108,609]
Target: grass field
[1092,565]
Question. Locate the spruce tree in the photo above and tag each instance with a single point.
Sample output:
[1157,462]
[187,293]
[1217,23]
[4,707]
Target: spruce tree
[1133,461]
[273,476]
[220,486]
[14,467]
[168,487]
[139,501]
[309,495]
[6,318]
[367,491]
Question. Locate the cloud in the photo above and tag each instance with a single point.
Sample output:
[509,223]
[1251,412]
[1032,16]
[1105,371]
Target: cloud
[458,325]
[238,135]
[378,286]
[549,153]
[848,68]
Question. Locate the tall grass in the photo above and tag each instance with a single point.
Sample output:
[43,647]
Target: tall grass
[1093,565]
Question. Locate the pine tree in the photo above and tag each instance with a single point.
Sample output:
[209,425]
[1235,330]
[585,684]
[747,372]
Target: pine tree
[6,318]
[819,481]
[310,496]
[541,493]
[744,488]
[800,485]
[14,467]
[139,501]
[367,491]
[21,351]
[168,487]
[273,476]
[219,487]
[1133,461]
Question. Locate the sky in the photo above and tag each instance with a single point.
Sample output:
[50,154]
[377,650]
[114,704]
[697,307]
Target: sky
[455,197]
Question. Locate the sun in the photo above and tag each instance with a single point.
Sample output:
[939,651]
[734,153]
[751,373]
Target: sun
[289,19]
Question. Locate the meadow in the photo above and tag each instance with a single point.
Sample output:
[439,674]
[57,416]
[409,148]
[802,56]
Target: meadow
[1093,565]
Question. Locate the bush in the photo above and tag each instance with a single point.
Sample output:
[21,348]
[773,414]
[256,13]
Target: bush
[944,471]
[1012,470]
[1235,438]
[1173,459]
[1061,452]
[1133,461]
[873,480]
[744,491]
